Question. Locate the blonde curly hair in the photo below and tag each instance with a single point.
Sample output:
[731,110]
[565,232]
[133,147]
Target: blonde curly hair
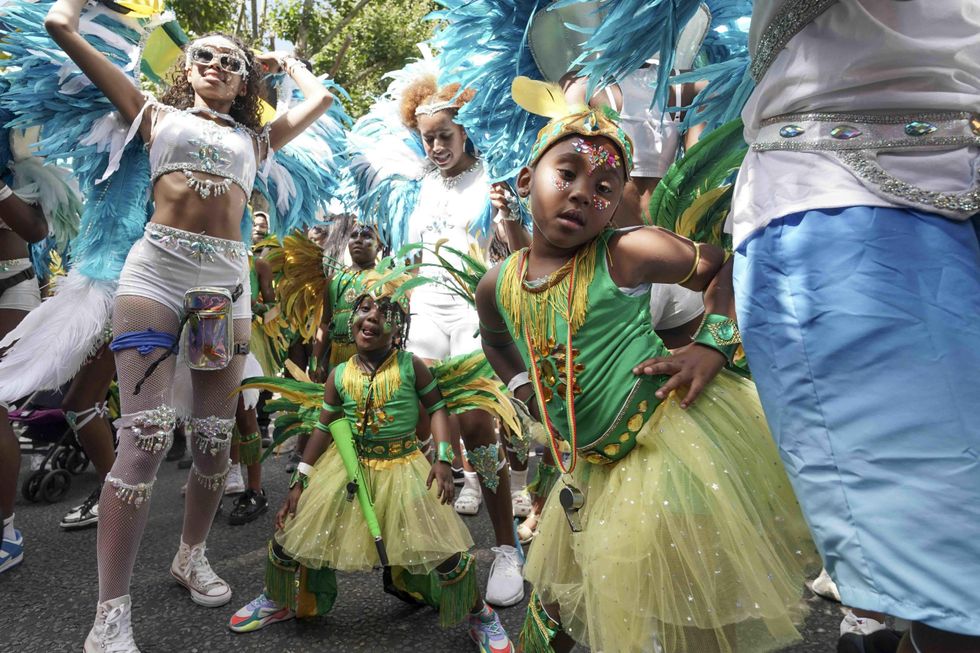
[425,90]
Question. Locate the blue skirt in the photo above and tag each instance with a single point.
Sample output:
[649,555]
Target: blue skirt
[862,329]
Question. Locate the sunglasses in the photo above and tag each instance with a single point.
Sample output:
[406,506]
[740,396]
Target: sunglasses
[229,62]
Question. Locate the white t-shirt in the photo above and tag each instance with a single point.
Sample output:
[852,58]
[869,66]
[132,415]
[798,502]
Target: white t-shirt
[672,306]
[655,136]
[859,56]
[448,214]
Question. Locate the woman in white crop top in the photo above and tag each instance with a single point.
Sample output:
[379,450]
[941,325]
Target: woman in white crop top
[205,143]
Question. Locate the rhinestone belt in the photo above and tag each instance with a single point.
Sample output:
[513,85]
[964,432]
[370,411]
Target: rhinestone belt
[857,139]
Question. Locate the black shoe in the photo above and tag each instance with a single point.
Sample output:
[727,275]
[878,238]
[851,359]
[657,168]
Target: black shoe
[881,641]
[248,506]
[84,515]
[177,449]
[458,476]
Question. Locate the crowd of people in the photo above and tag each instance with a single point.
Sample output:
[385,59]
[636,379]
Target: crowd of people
[742,349]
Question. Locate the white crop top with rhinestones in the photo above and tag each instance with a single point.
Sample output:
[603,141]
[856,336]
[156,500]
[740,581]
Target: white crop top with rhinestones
[182,140]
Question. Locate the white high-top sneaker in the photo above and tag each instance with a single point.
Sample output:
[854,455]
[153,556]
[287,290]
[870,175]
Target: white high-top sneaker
[192,570]
[112,631]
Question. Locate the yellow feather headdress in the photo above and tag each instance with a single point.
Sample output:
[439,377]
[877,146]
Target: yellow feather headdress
[546,99]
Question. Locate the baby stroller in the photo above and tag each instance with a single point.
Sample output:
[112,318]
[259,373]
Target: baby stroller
[46,432]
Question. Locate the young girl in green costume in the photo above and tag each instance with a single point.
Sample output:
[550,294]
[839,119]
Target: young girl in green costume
[680,532]
[378,391]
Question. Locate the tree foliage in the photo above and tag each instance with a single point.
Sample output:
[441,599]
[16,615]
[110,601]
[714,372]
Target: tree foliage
[203,16]
[355,41]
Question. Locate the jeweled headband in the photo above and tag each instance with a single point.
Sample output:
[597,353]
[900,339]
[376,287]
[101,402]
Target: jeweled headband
[548,100]
[435,107]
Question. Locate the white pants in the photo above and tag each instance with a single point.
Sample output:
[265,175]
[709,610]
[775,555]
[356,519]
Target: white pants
[25,296]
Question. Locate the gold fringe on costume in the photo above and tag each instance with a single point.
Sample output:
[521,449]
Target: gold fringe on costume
[536,307]
[249,448]
[387,379]
[458,591]
[539,628]
[340,352]
[694,540]
[280,579]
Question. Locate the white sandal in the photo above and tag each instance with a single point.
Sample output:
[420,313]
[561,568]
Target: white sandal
[528,529]
[468,501]
[521,503]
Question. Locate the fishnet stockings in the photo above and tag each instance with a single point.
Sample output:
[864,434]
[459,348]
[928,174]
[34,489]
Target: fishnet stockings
[124,503]
[214,397]
[121,518]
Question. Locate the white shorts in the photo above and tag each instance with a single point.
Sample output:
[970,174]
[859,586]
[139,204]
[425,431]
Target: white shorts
[442,326]
[166,262]
[25,296]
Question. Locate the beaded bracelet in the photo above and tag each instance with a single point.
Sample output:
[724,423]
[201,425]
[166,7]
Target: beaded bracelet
[719,332]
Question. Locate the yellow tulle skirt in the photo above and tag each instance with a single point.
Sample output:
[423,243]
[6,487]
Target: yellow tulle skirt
[328,531]
[693,543]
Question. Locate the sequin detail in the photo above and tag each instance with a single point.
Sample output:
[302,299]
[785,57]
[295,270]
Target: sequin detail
[212,482]
[212,434]
[561,184]
[598,156]
[486,461]
[9,264]
[600,203]
[205,247]
[791,131]
[135,494]
[791,18]
[864,165]
[161,420]
[845,132]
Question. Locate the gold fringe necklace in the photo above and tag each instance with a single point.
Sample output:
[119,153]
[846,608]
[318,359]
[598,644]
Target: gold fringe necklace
[387,379]
[538,307]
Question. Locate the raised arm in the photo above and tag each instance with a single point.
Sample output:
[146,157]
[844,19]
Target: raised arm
[25,220]
[316,99]
[62,24]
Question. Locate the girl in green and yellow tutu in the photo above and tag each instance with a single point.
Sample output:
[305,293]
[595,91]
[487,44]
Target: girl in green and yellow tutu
[673,527]
[320,531]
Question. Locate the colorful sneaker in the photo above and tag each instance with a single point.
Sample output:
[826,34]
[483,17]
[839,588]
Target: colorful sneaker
[505,586]
[259,613]
[112,631]
[191,569]
[851,623]
[85,514]
[488,633]
[11,552]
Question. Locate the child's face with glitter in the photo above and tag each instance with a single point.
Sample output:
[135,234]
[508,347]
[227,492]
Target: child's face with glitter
[574,189]
[373,324]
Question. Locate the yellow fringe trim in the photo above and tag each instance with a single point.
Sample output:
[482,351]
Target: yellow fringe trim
[387,381]
[301,288]
[539,309]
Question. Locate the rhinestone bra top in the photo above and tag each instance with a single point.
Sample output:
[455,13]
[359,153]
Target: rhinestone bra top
[184,141]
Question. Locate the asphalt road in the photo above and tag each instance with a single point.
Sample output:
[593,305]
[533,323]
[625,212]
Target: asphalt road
[48,602]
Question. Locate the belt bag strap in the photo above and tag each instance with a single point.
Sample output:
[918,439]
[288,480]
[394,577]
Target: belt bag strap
[20,277]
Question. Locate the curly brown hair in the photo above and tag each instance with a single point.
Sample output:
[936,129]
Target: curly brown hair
[246,109]
[425,90]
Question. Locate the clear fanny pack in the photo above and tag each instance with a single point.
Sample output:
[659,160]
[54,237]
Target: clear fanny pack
[207,341]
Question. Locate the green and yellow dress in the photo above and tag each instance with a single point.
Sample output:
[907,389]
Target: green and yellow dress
[420,533]
[345,287]
[692,538]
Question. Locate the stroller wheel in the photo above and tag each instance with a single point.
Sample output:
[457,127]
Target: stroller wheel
[31,489]
[77,462]
[60,459]
[55,485]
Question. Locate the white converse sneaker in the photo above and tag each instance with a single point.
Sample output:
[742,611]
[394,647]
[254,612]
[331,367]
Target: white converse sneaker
[191,569]
[521,502]
[234,483]
[506,583]
[112,631]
